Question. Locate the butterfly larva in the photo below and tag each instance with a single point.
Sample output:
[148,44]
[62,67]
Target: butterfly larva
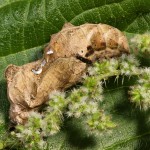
[80,45]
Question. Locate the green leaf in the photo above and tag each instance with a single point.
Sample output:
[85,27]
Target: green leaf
[26,26]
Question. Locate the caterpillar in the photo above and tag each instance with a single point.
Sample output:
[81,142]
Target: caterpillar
[87,42]
[65,61]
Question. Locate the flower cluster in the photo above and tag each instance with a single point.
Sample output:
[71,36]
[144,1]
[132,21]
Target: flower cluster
[84,101]
[129,65]
[105,69]
[98,121]
[140,93]
[30,134]
[142,43]
[124,65]
[1,144]
[41,125]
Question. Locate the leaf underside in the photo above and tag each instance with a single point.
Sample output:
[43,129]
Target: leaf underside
[25,28]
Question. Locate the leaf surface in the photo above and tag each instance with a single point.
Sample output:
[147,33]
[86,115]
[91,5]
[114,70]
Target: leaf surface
[25,28]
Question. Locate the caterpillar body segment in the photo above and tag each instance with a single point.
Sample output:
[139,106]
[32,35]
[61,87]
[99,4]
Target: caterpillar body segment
[87,42]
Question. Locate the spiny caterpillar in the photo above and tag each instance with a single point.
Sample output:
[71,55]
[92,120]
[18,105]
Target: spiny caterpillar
[87,42]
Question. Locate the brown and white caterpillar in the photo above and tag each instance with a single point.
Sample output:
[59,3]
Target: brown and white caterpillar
[87,42]
[64,62]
